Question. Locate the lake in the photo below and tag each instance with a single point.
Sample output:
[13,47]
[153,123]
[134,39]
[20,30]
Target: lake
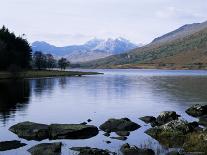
[116,94]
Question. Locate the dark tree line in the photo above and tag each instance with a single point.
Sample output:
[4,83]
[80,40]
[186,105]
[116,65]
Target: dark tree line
[16,54]
[14,51]
[47,61]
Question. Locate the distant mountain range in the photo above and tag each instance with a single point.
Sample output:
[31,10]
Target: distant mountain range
[91,50]
[185,47]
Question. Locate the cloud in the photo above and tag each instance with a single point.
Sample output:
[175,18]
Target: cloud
[65,22]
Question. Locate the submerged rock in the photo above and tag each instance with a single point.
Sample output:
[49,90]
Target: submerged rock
[119,138]
[123,133]
[114,125]
[171,134]
[89,120]
[107,134]
[148,119]
[167,116]
[197,110]
[9,145]
[30,130]
[91,151]
[72,131]
[46,149]
[126,149]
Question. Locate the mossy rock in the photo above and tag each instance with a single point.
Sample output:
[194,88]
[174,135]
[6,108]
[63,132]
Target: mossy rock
[30,130]
[72,131]
[123,124]
[9,145]
[196,142]
[197,110]
[171,134]
[46,149]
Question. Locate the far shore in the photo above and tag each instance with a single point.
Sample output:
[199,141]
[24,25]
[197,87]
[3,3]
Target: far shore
[43,73]
[154,66]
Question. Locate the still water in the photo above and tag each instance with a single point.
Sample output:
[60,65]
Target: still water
[116,94]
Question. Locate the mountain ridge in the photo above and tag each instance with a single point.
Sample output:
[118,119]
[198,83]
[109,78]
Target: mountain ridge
[92,49]
[188,42]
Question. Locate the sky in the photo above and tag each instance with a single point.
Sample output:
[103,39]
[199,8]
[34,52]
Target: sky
[66,22]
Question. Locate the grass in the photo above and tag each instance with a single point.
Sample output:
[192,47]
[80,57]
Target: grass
[43,73]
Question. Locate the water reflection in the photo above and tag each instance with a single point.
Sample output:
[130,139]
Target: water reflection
[14,96]
[99,97]
[40,86]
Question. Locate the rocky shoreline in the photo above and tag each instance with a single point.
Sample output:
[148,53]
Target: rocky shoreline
[167,128]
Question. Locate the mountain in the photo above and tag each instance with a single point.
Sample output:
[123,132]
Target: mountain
[91,50]
[185,47]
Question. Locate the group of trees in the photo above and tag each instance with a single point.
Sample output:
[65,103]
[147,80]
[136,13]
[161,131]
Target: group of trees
[16,54]
[14,51]
[47,61]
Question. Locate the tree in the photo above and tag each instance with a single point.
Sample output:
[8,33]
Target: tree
[14,51]
[63,63]
[39,60]
[51,62]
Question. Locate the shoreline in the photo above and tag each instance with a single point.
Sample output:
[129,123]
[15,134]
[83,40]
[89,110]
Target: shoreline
[43,74]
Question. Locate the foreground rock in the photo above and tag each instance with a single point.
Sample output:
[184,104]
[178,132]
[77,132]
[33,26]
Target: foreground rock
[126,149]
[172,134]
[148,119]
[123,133]
[203,120]
[30,130]
[197,110]
[91,151]
[114,125]
[72,131]
[163,118]
[167,116]
[35,131]
[46,149]
[9,145]
[196,142]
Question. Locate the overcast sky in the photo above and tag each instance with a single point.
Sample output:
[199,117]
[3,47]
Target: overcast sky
[64,22]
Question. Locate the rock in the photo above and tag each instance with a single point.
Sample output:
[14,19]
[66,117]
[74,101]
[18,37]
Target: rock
[108,142]
[84,123]
[114,125]
[171,134]
[89,120]
[46,149]
[203,120]
[148,119]
[119,138]
[91,151]
[166,116]
[196,142]
[197,110]
[106,134]
[123,133]
[72,131]
[9,145]
[30,130]
[126,149]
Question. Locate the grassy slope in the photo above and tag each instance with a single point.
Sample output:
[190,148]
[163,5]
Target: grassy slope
[187,51]
[37,74]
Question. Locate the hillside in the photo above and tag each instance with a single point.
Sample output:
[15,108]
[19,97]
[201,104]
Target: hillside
[173,50]
[91,50]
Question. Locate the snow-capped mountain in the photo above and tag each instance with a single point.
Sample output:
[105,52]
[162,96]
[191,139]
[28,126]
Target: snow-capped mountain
[91,50]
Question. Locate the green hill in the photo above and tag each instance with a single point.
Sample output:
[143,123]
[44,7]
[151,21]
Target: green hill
[185,47]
